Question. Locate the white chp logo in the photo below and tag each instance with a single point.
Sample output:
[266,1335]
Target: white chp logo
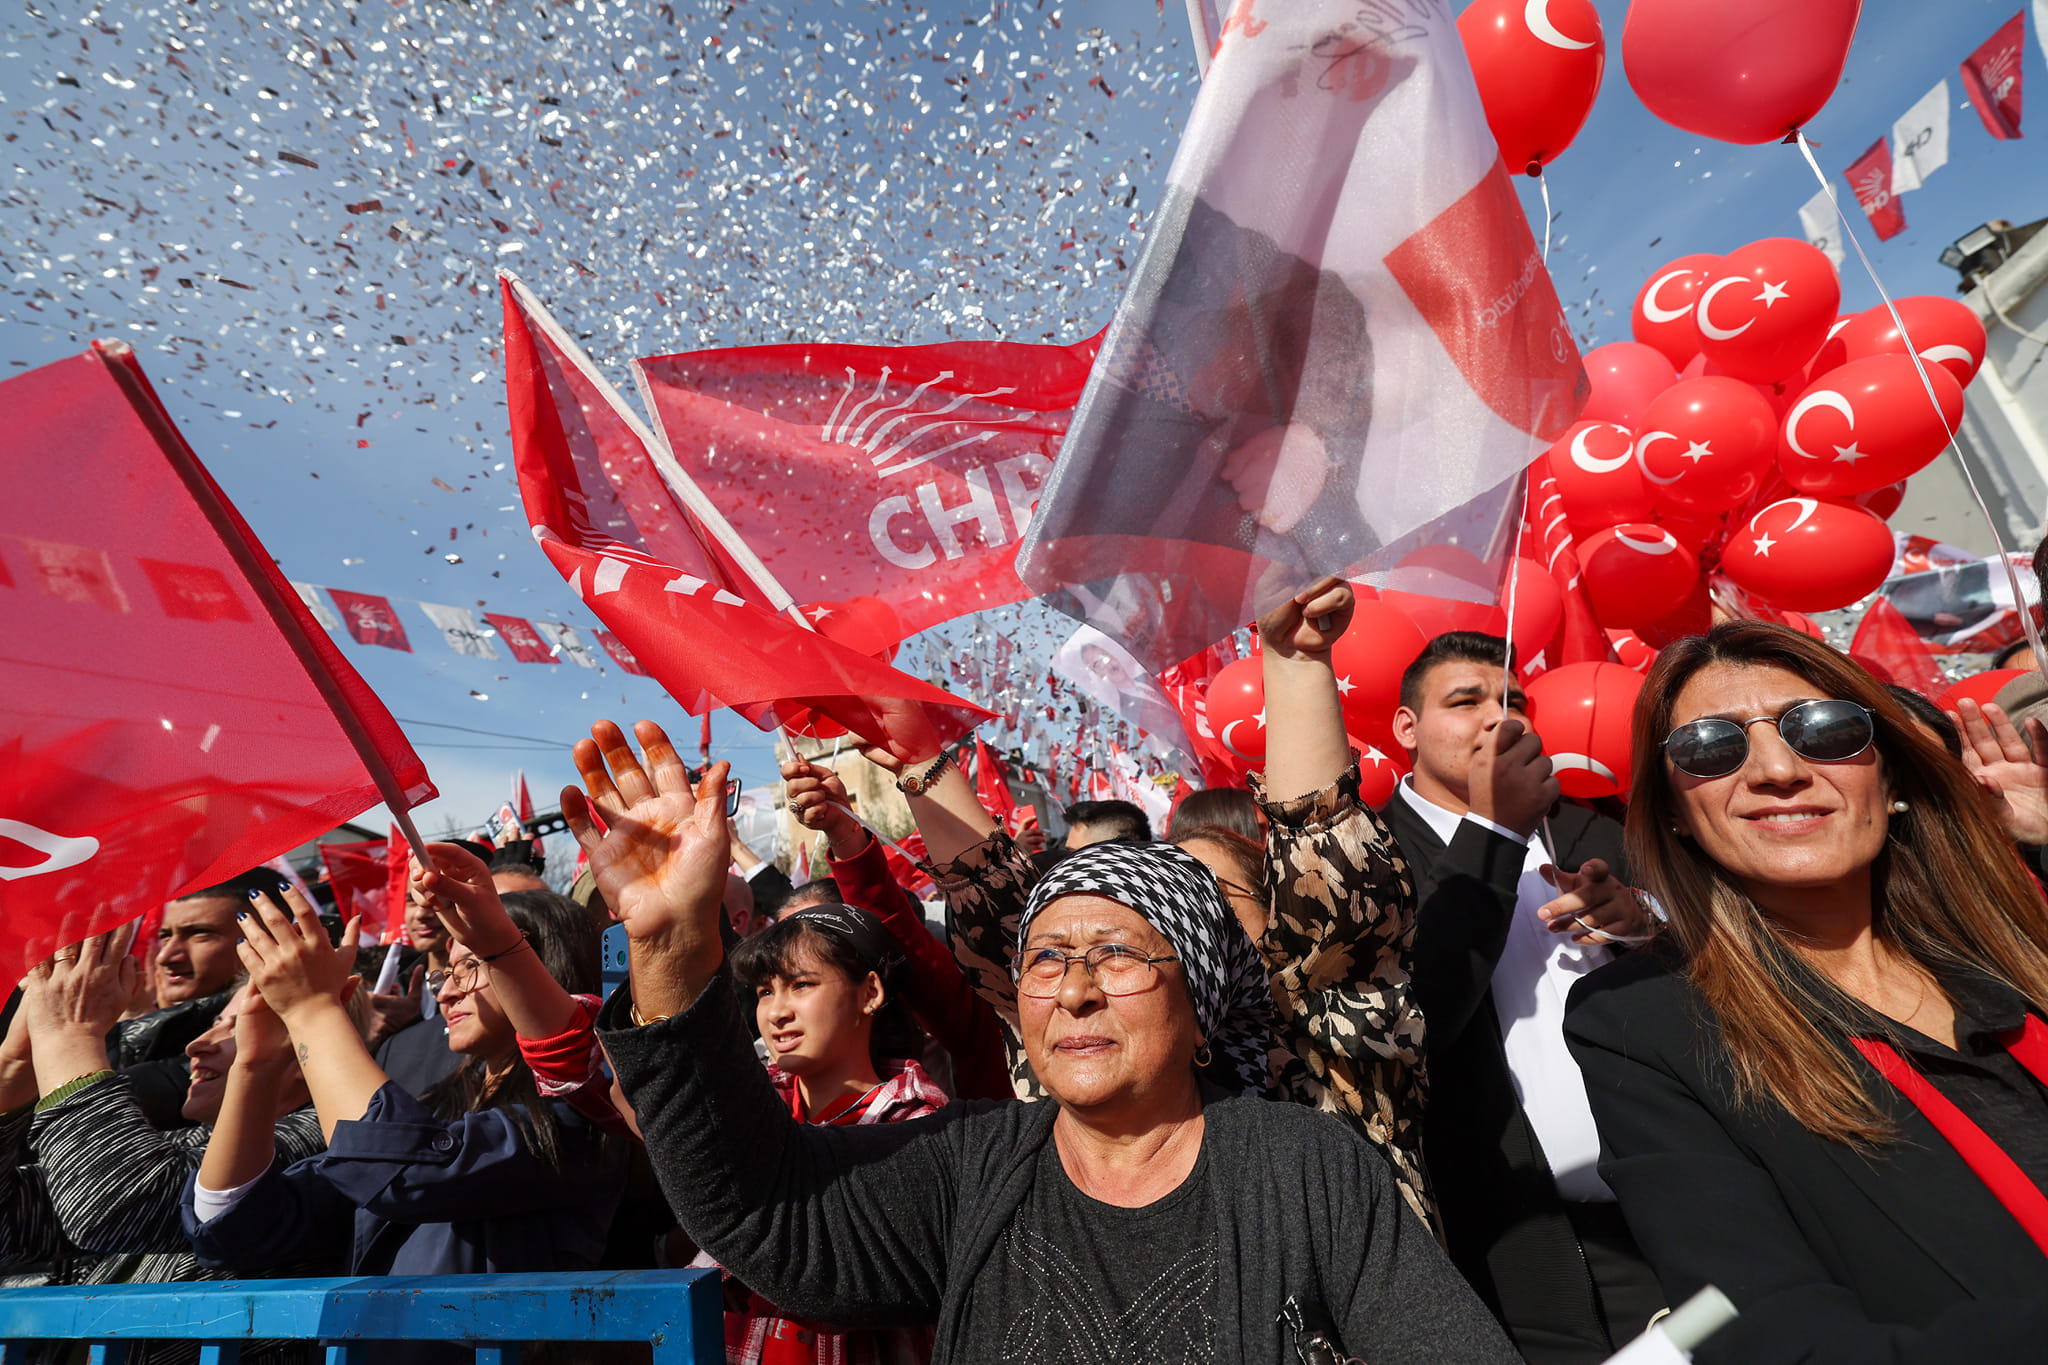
[59,852]
[886,431]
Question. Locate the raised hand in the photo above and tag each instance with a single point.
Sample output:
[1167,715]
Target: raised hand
[471,909]
[83,987]
[2008,765]
[289,960]
[817,797]
[661,862]
[1511,783]
[1593,905]
[1310,622]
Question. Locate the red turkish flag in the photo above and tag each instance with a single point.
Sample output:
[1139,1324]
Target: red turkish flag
[706,645]
[372,620]
[1337,351]
[1992,76]
[359,874]
[517,634]
[905,473]
[1871,178]
[149,749]
[621,655]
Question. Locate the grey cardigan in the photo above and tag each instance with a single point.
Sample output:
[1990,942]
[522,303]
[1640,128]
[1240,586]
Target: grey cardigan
[889,1224]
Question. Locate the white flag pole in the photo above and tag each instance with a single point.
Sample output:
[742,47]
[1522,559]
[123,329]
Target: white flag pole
[680,483]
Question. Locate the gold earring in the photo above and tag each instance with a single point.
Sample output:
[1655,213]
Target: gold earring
[1202,1057]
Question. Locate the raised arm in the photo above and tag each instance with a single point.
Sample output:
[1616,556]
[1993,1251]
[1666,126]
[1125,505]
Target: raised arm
[28,1225]
[1306,748]
[71,999]
[306,979]
[535,1004]
[244,1139]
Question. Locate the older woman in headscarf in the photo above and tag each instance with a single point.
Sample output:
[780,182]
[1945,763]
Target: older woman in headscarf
[1140,1216]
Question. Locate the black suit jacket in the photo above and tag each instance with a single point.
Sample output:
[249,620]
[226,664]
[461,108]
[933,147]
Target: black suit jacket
[1504,1224]
[1831,1257]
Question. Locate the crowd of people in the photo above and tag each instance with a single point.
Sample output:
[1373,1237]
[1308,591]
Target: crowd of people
[1481,1075]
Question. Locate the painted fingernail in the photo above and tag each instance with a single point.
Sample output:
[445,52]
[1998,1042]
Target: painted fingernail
[241,914]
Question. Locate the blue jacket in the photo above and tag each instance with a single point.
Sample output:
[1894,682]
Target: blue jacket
[418,1195]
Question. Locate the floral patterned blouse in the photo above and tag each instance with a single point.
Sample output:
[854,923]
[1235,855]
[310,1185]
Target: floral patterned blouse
[1339,932]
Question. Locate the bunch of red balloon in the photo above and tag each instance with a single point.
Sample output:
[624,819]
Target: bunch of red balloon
[1749,429]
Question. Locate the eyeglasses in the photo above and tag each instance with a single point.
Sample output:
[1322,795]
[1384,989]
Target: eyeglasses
[465,976]
[1824,731]
[1116,968]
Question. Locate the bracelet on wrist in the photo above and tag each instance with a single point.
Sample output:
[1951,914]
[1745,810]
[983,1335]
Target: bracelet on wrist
[643,1020]
[917,784]
[523,942]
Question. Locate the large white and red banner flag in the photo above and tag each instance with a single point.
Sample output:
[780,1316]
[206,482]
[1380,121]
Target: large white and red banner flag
[171,714]
[1339,335]
[1992,77]
[906,474]
[705,644]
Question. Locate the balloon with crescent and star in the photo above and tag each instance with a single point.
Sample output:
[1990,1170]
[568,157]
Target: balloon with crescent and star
[1809,554]
[1636,574]
[1767,309]
[1662,316]
[1538,65]
[1706,446]
[1866,425]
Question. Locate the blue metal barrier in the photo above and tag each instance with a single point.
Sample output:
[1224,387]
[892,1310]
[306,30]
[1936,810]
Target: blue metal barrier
[677,1312]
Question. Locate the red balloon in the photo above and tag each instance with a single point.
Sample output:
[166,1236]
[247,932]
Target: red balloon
[1946,331]
[1381,766]
[1583,712]
[1633,651]
[1882,502]
[1435,616]
[1867,424]
[1663,313]
[1539,606]
[1692,532]
[1369,658]
[1625,376]
[1804,624]
[1979,687]
[1768,309]
[1809,554]
[1706,445]
[1745,71]
[1636,574]
[1538,67]
[1833,351]
[1237,708]
[1595,469]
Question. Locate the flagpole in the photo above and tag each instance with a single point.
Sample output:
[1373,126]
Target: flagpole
[664,459]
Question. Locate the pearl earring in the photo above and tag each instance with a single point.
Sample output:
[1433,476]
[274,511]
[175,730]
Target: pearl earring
[1900,808]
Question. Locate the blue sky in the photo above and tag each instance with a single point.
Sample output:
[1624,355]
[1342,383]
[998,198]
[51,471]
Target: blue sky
[688,176]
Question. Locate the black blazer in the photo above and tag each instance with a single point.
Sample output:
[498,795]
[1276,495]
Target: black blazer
[1504,1223]
[1830,1257]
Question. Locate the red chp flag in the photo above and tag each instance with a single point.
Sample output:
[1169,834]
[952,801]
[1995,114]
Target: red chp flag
[1992,75]
[518,635]
[161,728]
[991,788]
[906,474]
[371,620]
[1871,178]
[705,644]
[1339,347]
[359,876]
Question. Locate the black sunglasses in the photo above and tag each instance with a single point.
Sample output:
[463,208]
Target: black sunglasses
[1825,731]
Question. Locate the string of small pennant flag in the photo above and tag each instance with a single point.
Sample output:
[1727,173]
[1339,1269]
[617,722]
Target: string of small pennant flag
[372,620]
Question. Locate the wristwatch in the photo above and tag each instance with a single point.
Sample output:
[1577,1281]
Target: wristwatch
[911,784]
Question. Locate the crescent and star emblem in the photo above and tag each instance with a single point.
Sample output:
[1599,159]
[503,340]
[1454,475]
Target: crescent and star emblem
[1591,463]
[1584,763]
[1707,327]
[1657,312]
[58,851]
[1648,439]
[1648,547]
[1826,398]
[1536,14]
[1936,355]
[1807,507]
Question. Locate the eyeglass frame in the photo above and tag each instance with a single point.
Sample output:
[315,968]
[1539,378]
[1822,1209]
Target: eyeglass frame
[1777,723]
[1069,959]
[477,970]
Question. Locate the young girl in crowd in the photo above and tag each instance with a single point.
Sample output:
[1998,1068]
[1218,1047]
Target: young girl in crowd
[486,1175]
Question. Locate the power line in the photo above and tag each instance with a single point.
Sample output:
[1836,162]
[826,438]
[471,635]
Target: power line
[494,734]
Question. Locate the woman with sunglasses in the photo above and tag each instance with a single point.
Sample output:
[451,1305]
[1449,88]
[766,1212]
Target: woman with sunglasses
[485,1175]
[1827,1093]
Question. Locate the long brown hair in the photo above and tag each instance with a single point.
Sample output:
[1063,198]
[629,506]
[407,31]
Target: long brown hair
[1947,890]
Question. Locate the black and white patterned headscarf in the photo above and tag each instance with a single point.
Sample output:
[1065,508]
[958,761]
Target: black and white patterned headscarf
[1179,897]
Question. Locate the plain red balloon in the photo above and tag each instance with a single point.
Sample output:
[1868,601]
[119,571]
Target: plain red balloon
[1595,470]
[1538,66]
[1809,554]
[1946,331]
[1662,316]
[1583,713]
[1636,575]
[1768,309]
[1865,425]
[1237,708]
[1882,502]
[1625,376]
[1369,658]
[1539,606]
[1706,445]
[1744,71]
[1979,687]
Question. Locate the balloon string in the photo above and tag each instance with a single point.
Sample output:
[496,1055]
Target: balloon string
[2019,597]
[1543,183]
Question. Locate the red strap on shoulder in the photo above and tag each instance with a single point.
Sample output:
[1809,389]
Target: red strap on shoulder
[2000,1173]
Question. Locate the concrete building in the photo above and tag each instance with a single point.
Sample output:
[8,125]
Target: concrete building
[2004,434]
